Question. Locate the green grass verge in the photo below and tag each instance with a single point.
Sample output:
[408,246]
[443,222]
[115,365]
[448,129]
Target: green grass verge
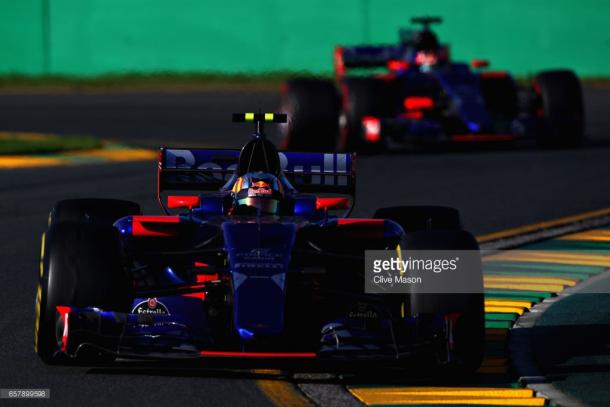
[161,81]
[169,81]
[35,143]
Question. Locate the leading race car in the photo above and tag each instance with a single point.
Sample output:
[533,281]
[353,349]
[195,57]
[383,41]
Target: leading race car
[257,265]
[422,97]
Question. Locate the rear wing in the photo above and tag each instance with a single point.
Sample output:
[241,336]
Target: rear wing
[210,169]
[366,56]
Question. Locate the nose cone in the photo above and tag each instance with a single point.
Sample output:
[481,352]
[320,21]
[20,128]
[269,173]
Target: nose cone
[259,254]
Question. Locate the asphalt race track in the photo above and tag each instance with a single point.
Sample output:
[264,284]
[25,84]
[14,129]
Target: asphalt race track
[494,190]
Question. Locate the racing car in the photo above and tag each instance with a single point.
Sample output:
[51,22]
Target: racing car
[260,261]
[412,94]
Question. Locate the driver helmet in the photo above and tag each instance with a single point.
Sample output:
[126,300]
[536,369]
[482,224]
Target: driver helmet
[257,193]
[427,41]
[427,49]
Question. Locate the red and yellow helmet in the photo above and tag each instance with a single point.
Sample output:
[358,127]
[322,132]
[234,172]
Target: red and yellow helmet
[257,191]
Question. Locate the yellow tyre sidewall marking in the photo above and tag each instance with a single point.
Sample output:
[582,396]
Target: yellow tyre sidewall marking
[39,295]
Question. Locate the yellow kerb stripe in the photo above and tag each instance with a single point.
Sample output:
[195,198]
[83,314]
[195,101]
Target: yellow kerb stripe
[249,117]
[508,303]
[550,288]
[269,117]
[542,225]
[447,396]
[505,310]
[591,235]
[282,393]
[534,256]
[530,279]
[28,162]
[445,391]
[130,154]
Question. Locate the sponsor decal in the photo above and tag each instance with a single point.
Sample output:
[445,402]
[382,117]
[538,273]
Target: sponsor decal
[259,191]
[362,311]
[259,265]
[325,169]
[151,306]
[260,184]
[260,254]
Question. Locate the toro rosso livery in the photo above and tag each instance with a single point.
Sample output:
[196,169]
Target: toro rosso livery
[257,265]
[417,95]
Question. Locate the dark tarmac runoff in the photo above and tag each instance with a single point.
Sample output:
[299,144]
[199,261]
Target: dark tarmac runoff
[493,189]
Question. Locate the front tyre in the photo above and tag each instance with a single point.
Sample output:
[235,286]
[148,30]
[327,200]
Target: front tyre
[81,266]
[422,217]
[92,210]
[462,352]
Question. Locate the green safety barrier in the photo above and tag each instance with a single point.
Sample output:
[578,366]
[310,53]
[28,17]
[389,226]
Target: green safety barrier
[73,37]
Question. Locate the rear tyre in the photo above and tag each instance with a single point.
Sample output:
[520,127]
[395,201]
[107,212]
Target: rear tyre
[469,328]
[92,210]
[420,218]
[559,102]
[81,266]
[313,107]
[364,97]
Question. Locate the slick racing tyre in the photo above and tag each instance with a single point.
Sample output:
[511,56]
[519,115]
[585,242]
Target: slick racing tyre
[364,97]
[465,353]
[420,218]
[81,266]
[92,210]
[559,102]
[312,106]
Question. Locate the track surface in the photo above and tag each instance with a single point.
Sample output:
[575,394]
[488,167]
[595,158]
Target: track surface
[195,118]
[493,190]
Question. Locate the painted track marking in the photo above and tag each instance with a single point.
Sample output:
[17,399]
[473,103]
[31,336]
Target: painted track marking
[78,158]
[520,230]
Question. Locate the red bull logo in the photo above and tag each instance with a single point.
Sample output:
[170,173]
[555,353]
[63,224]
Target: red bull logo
[260,184]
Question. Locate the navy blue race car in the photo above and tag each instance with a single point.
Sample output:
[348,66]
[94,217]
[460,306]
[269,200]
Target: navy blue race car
[257,264]
[417,95]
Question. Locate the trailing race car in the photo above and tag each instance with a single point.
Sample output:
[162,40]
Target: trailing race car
[256,266]
[422,97]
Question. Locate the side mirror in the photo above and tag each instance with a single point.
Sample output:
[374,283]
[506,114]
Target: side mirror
[183,201]
[479,63]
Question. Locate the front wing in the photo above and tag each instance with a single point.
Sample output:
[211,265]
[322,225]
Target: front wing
[169,337]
